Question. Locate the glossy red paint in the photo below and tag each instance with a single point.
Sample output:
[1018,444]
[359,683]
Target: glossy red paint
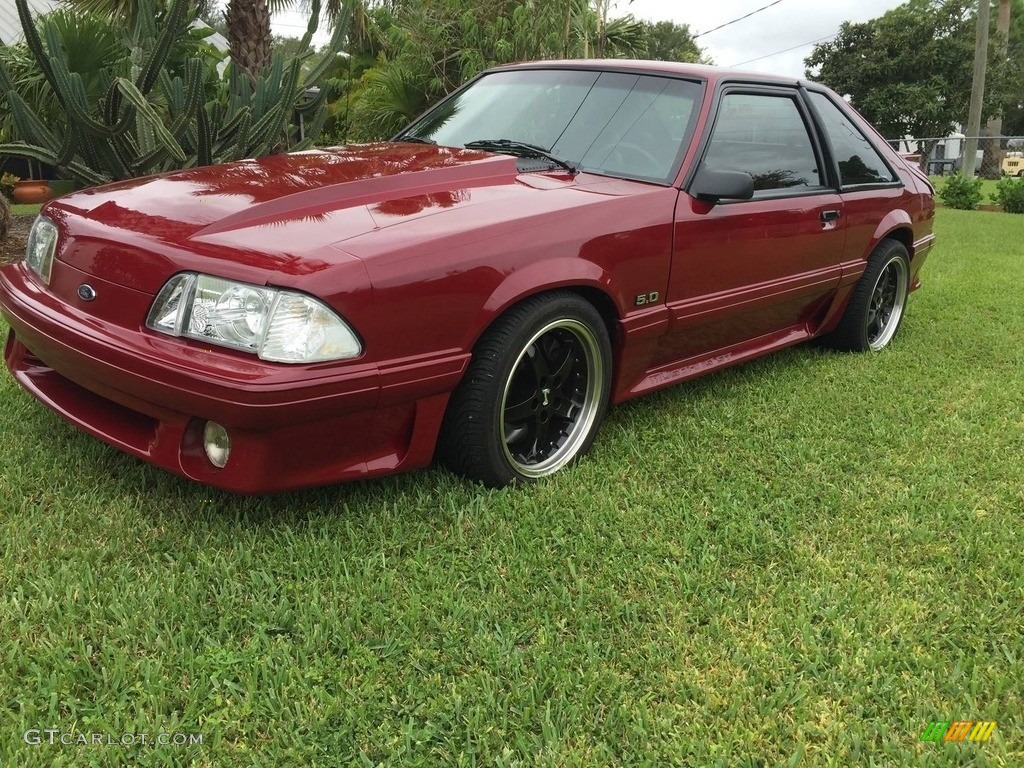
[419,248]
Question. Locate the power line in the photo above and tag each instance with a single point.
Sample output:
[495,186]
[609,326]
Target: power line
[787,50]
[741,18]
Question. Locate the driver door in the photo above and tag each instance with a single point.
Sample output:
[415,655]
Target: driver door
[753,271]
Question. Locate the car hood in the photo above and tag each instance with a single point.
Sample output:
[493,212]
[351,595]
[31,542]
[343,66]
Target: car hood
[261,215]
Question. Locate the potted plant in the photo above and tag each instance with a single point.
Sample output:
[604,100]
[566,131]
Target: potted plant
[31,190]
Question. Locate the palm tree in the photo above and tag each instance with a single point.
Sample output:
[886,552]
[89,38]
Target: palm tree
[249,34]
[603,37]
[248,23]
[128,9]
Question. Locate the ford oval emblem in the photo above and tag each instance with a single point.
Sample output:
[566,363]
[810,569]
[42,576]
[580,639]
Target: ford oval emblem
[86,292]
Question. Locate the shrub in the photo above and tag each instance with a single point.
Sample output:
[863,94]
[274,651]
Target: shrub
[961,192]
[7,182]
[1010,194]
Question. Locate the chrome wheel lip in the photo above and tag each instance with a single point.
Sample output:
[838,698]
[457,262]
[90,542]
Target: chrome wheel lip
[583,423]
[898,267]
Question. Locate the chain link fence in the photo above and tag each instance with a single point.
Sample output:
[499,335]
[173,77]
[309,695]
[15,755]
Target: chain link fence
[997,156]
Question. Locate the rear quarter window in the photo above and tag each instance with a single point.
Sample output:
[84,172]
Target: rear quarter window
[859,162]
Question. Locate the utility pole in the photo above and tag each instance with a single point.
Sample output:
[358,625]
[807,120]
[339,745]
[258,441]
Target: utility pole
[992,166]
[977,90]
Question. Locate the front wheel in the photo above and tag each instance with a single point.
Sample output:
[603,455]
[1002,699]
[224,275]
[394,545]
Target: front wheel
[534,394]
[879,299]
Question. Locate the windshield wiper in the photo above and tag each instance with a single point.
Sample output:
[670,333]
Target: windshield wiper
[415,140]
[521,149]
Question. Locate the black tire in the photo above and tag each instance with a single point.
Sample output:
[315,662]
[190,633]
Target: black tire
[534,394]
[878,303]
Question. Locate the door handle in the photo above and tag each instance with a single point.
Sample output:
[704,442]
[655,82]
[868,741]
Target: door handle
[827,216]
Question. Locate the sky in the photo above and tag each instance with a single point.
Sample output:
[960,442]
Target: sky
[766,35]
[758,43]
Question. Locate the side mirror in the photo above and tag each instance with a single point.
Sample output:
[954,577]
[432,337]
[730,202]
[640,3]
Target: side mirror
[712,186]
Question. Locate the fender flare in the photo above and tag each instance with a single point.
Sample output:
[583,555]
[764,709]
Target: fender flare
[896,220]
[544,277]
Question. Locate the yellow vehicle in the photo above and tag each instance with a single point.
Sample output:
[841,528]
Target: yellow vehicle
[1013,165]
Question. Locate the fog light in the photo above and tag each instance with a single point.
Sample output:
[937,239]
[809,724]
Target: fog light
[217,444]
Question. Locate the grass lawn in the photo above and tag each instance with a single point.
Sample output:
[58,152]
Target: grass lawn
[800,561]
[25,210]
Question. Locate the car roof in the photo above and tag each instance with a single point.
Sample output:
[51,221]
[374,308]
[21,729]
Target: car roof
[712,75]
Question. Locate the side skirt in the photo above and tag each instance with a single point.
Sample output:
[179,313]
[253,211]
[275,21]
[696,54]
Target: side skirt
[691,368]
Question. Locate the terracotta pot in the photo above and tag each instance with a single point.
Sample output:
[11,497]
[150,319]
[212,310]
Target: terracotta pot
[30,191]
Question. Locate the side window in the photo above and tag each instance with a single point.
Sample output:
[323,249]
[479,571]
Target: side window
[859,162]
[764,135]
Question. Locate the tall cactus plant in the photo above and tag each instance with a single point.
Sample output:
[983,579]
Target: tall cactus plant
[151,120]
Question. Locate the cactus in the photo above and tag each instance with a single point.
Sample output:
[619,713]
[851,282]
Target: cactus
[150,121]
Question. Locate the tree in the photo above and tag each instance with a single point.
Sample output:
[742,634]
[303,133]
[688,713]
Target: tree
[247,22]
[127,10]
[667,41]
[604,37]
[249,34]
[1013,105]
[909,71]
[427,48]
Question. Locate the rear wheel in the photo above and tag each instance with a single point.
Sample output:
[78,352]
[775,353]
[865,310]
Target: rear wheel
[879,299]
[534,394]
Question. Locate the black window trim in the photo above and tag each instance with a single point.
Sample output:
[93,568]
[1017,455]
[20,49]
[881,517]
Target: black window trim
[828,185]
[819,122]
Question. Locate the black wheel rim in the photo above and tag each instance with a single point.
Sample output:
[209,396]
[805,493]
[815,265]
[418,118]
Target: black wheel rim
[886,305]
[551,399]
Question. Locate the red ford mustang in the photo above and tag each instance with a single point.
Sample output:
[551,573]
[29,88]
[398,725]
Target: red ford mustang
[550,238]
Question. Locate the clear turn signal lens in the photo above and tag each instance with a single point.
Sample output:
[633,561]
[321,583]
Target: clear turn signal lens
[302,330]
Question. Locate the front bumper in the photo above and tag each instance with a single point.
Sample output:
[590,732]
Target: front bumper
[291,426]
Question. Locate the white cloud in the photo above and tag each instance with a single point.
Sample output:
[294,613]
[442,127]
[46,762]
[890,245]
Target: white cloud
[767,34]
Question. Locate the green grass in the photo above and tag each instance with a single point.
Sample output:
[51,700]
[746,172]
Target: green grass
[800,561]
[19,209]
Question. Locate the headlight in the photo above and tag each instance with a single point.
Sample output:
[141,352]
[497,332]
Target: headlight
[42,242]
[281,326]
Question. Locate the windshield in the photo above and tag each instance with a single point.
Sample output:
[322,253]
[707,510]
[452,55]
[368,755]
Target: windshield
[618,124]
